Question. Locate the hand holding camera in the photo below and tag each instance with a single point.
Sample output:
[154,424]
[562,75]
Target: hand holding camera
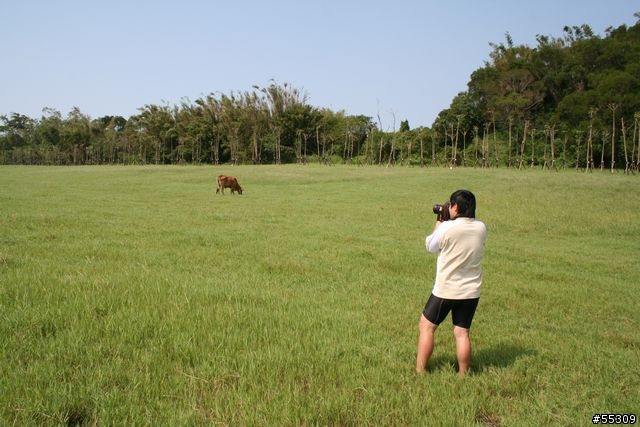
[442,211]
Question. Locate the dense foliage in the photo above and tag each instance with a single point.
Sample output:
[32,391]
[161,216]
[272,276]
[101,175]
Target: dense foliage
[567,102]
[582,89]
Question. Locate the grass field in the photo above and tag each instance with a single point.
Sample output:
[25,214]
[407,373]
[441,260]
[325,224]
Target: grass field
[137,296]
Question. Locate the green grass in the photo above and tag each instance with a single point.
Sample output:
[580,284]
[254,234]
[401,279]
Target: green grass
[137,296]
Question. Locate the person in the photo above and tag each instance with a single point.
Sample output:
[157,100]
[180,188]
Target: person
[459,243]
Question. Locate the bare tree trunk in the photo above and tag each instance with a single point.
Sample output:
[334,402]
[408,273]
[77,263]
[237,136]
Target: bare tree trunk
[553,147]
[533,147]
[318,142]
[434,160]
[485,147]
[604,140]
[495,140]
[216,149]
[255,157]
[523,144]
[544,153]
[613,108]
[298,146]
[578,140]
[633,145]
[344,146]
[510,136]
[371,145]
[636,162]
[304,159]
[233,148]
[464,147]
[277,159]
[392,155]
[381,139]
[565,140]
[476,130]
[590,162]
[324,149]
[354,146]
[446,134]
[454,143]
[624,142]
[196,150]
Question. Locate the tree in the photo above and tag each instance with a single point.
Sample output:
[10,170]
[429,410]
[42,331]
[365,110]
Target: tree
[17,131]
[76,137]
[157,129]
[48,134]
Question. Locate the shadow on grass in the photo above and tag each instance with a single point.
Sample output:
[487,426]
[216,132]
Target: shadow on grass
[499,356]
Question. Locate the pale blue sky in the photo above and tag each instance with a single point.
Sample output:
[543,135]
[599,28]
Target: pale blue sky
[400,58]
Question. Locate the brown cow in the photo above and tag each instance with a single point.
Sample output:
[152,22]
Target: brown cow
[226,181]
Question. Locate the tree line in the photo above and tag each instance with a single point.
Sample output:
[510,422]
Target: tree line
[571,101]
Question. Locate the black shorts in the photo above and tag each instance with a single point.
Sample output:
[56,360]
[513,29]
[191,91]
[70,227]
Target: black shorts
[462,310]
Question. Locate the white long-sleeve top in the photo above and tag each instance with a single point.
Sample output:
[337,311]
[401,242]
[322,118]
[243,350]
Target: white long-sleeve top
[460,247]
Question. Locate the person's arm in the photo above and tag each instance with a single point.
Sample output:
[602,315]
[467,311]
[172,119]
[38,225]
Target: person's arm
[432,242]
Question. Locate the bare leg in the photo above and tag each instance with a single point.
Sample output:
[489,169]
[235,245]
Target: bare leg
[425,343]
[463,349]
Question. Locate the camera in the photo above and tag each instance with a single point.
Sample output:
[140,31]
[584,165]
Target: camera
[442,211]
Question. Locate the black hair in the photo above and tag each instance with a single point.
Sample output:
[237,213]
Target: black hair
[466,202]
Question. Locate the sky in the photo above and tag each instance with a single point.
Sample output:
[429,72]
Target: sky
[389,60]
